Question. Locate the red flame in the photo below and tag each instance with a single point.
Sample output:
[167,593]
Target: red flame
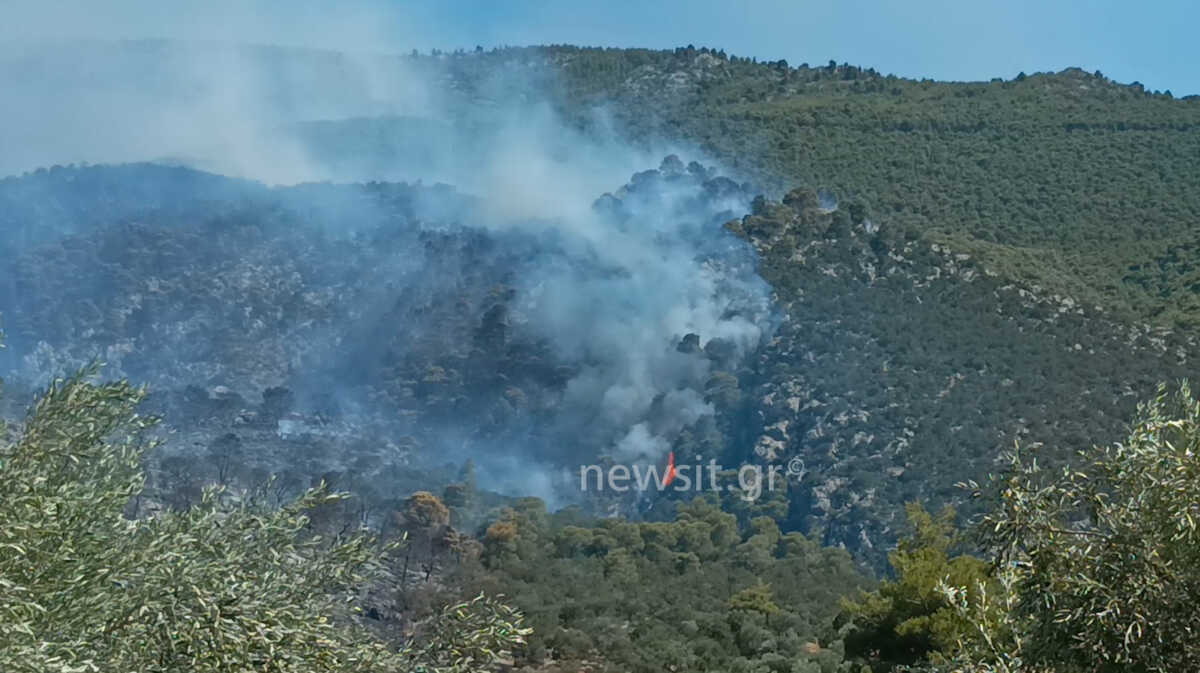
[670,476]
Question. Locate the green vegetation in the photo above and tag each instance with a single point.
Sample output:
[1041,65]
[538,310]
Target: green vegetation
[985,280]
[222,586]
[696,593]
[227,584]
[1089,568]
[909,620]
[1068,181]
[1011,260]
[905,367]
[1092,568]
[1100,561]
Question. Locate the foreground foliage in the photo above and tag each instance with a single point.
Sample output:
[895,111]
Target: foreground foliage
[1101,560]
[223,586]
[1093,568]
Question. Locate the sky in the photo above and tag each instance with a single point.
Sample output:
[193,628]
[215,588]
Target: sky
[939,39]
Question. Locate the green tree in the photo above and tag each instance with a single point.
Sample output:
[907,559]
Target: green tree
[222,586]
[1101,561]
[909,620]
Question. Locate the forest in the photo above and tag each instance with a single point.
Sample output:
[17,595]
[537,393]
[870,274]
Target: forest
[1068,181]
[324,427]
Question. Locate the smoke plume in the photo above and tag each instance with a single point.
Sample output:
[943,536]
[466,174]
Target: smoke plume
[617,298]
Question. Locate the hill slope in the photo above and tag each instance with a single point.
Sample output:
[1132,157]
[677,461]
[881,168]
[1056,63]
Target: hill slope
[1068,180]
[964,264]
[904,366]
[898,367]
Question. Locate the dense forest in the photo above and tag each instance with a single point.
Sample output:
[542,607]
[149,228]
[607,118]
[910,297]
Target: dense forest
[1067,180]
[933,297]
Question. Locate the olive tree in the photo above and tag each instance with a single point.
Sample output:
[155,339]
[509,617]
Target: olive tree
[1099,562]
[221,586]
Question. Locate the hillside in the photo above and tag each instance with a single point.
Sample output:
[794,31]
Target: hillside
[1044,227]
[886,283]
[898,367]
[1068,181]
[905,366]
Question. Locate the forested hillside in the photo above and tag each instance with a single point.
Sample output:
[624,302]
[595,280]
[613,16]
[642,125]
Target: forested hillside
[1069,181]
[1008,260]
[883,284]
[905,366]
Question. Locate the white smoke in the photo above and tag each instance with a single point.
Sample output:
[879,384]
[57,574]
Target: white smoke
[621,298]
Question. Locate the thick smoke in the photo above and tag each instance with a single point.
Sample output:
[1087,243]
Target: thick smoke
[656,270]
[639,294]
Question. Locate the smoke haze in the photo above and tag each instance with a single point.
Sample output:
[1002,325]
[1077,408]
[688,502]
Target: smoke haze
[606,290]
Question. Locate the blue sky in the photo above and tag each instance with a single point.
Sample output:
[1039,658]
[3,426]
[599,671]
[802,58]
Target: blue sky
[1152,42]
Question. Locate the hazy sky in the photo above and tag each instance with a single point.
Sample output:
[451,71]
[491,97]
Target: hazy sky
[1151,42]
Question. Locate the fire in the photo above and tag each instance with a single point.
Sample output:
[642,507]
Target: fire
[670,475]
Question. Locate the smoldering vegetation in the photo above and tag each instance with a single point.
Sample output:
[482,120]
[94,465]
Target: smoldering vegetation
[320,318]
[440,268]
